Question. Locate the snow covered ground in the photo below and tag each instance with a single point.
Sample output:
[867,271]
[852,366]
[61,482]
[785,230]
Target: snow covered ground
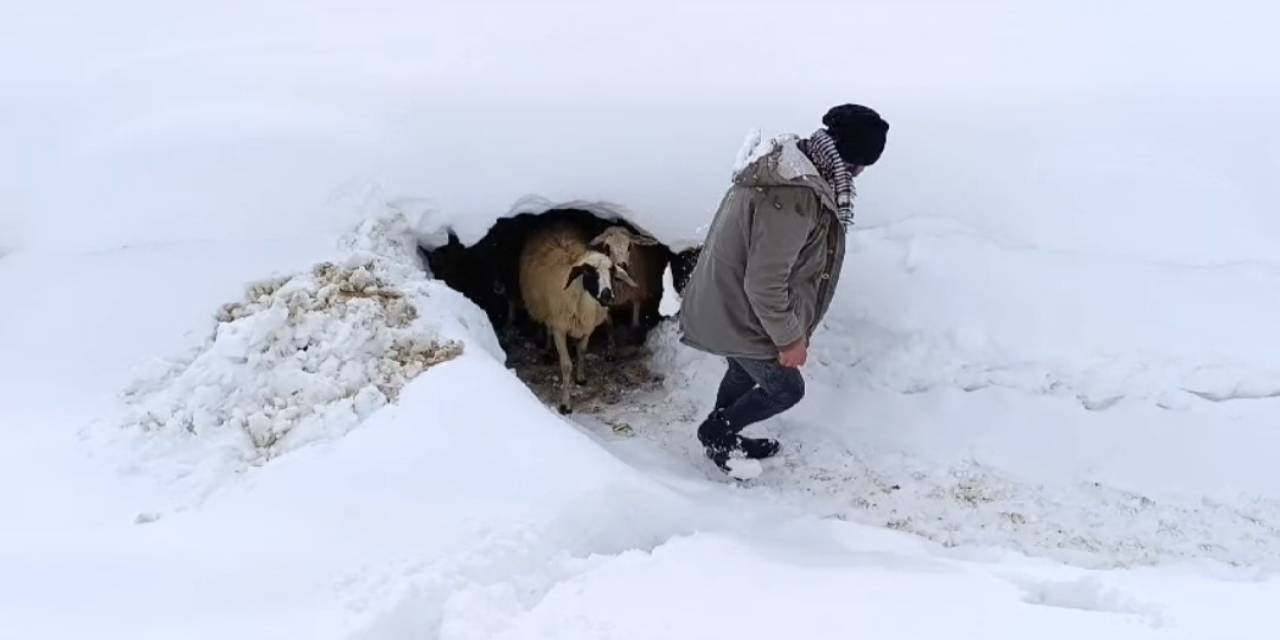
[1044,405]
[467,509]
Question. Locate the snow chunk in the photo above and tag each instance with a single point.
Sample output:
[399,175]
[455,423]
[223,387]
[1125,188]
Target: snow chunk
[669,305]
[430,227]
[792,163]
[744,468]
[750,151]
[305,357]
[1088,594]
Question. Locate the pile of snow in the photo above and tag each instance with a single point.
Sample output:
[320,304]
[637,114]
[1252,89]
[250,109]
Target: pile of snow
[307,356]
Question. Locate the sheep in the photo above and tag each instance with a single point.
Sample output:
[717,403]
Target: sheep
[498,258]
[639,256]
[487,281]
[682,265]
[567,286]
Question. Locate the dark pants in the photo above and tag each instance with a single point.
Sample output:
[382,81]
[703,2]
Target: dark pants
[755,390]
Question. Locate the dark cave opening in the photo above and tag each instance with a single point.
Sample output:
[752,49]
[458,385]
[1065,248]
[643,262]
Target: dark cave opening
[488,272]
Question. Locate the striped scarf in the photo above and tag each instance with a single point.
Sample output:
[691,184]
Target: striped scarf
[821,149]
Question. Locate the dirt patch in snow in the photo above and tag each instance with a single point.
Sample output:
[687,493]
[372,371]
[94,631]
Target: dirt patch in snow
[613,376]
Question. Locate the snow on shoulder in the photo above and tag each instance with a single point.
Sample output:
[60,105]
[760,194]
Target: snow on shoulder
[751,150]
[311,355]
[755,147]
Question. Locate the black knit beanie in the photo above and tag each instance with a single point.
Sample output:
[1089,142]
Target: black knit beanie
[859,133]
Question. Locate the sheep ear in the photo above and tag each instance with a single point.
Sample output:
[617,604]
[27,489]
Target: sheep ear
[625,277]
[574,274]
[644,241]
[599,240]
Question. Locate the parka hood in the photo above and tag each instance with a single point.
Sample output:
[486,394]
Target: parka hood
[782,164]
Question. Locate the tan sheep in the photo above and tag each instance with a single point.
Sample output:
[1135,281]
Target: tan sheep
[567,286]
[643,259]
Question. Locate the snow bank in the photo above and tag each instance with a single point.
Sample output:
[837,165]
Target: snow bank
[309,356]
[465,482]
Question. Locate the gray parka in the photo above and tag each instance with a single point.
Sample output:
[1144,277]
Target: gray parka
[771,261]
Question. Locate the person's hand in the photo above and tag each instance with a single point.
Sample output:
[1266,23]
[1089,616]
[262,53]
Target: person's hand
[794,355]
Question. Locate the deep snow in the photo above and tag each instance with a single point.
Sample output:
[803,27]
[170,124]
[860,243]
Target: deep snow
[1043,405]
[466,509]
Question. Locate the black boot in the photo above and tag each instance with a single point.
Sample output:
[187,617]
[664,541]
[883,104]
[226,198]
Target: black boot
[722,442]
[715,432]
[719,440]
[759,448]
[754,448]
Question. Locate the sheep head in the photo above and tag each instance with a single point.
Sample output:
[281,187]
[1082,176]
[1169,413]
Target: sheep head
[596,270]
[616,241]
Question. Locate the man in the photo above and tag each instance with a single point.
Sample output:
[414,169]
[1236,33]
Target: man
[768,271]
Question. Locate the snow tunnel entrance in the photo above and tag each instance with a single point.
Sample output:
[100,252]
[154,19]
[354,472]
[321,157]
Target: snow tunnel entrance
[488,273]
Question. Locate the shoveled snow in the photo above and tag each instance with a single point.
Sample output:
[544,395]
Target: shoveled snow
[307,356]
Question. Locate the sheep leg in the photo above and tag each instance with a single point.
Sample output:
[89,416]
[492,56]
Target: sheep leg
[566,370]
[510,327]
[580,374]
[612,331]
[551,353]
[635,314]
